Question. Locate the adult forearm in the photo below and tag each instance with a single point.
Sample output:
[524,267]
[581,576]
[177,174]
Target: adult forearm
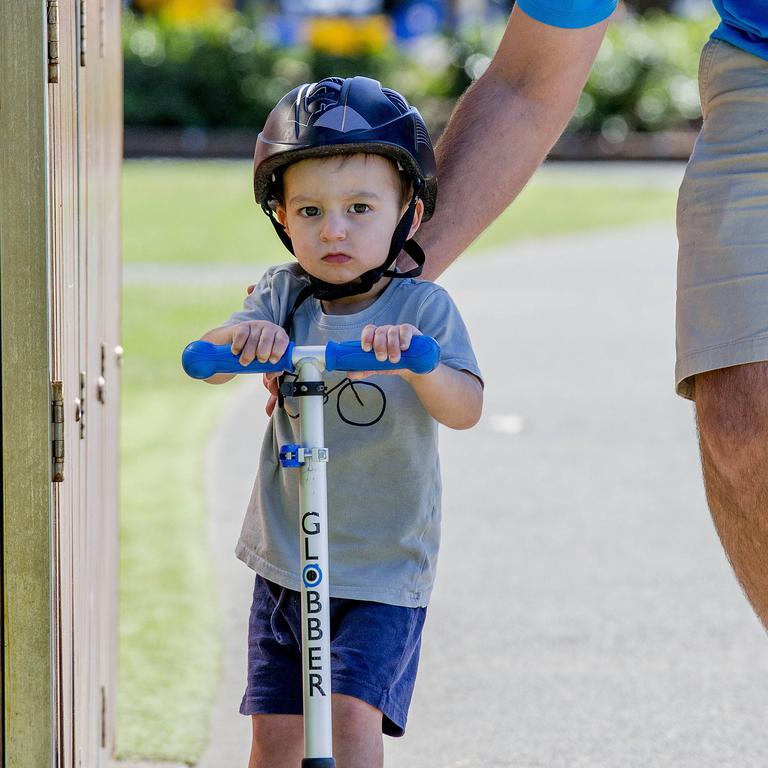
[503,128]
[496,138]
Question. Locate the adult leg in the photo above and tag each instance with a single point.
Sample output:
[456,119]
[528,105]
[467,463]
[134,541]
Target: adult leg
[732,416]
[278,741]
[721,311]
[357,739]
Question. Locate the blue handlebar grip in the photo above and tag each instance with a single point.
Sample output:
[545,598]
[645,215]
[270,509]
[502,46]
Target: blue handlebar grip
[421,357]
[202,359]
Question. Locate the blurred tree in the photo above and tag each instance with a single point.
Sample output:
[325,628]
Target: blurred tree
[643,6]
[224,73]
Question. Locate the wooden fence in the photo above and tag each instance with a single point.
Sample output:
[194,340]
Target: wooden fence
[60,122]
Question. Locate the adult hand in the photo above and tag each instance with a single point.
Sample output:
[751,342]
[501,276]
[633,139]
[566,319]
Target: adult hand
[270,382]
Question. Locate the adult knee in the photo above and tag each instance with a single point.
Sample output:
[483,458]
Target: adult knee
[732,415]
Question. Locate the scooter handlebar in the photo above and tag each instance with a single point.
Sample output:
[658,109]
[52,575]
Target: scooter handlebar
[202,359]
[422,356]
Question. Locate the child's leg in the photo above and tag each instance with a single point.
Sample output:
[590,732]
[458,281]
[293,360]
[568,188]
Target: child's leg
[357,740]
[375,653]
[278,741]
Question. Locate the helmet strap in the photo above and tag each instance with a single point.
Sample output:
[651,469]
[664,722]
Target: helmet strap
[400,241]
[279,228]
[414,250]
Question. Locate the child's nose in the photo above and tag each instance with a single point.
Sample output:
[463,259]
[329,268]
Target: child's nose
[333,228]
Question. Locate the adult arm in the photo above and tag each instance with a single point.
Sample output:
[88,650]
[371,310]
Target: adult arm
[502,129]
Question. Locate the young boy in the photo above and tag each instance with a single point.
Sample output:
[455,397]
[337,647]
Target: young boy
[345,170]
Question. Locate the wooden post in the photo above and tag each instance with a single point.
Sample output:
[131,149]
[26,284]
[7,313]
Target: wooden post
[24,397]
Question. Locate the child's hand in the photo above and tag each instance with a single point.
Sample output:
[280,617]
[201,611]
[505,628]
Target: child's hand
[387,342]
[259,340]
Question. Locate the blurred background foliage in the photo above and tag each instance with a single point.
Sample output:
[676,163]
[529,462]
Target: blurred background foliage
[221,68]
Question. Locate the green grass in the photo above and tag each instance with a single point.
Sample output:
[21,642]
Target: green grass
[548,208]
[169,643]
[203,213]
[194,212]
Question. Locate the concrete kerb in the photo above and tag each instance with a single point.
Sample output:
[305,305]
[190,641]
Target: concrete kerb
[144,764]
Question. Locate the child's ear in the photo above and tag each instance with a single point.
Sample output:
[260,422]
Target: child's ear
[281,216]
[418,213]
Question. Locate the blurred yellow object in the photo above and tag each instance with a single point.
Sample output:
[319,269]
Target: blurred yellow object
[347,36]
[184,11]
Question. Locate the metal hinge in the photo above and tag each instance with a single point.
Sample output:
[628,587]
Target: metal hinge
[83,25]
[101,384]
[52,13]
[80,405]
[57,432]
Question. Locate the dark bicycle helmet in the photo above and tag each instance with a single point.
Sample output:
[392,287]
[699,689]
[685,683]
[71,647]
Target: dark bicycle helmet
[340,116]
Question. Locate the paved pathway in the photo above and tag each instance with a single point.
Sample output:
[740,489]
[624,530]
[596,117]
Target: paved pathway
[615,174]
[584,613]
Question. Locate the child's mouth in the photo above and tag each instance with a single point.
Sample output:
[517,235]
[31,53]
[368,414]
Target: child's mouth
[336,258]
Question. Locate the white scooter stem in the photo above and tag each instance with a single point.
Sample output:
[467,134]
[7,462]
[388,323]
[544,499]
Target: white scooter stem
[315,579]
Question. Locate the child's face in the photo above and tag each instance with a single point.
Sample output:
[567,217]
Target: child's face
[340,214]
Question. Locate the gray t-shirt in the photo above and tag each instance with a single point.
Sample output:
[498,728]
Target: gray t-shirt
[383,480]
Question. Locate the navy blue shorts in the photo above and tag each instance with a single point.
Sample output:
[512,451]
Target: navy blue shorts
[374,654]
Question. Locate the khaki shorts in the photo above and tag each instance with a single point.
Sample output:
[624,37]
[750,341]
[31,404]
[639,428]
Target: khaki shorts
[722,221]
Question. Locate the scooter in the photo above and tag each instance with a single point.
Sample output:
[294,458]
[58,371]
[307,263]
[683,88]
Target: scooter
[202,359]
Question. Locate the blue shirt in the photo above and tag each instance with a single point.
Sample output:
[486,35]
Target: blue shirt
[744,22]
[572,14]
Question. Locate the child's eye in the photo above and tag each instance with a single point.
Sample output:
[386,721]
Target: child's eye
[360,207]
[309,210]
